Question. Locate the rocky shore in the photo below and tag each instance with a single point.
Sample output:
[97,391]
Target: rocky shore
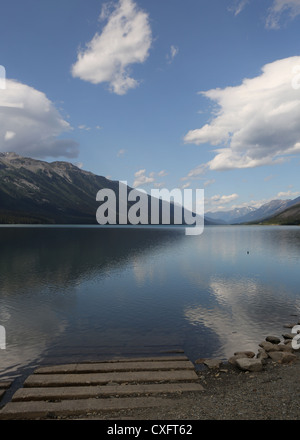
[249,386]
[281,351]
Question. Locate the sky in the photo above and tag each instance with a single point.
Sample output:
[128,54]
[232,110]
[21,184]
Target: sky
[160,94]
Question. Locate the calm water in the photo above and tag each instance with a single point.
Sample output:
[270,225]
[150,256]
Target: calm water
[69,294]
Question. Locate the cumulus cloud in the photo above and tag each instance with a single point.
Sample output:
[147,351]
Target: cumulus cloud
[125,40]
[220,203]
[142,179]
[30,123]
[223,199]
[257,122]
[278,9]
[289,194]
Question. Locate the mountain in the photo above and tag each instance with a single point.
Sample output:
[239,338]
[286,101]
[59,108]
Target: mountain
[34,191]
[253,215]
[228,216]
[267,210]
[290,216]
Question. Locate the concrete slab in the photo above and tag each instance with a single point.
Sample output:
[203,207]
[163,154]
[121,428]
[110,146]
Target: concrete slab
[48,380]
[85,392]
[82,389]
[115,366]
[5,384]
[36,410]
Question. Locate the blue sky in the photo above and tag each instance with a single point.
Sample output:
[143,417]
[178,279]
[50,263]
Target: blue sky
[172,93]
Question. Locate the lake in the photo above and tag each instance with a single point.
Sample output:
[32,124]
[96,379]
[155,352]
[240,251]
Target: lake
[91,293]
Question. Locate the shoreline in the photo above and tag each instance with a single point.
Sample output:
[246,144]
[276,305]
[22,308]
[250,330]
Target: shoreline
[271,392]
[247,386]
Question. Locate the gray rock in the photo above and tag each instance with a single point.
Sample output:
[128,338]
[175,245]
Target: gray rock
[273,339]
[287,347]
[289,325]
[247,364]
[282,357]
[212,363]
[248,354]
[232,360]
[268,346]
[200,361]
[262,354]
[288,336]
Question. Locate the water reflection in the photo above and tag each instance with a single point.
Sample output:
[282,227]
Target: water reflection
[253,289]
[43,274]
[241,313]
[105,292]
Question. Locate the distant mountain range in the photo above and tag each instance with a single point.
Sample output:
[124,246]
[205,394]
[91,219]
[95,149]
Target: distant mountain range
[33,191]
[290,216]
[38,192]
[268,212]
[228,217]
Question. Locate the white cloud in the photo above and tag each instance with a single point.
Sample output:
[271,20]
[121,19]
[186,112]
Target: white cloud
[186,185]
[196,172]
[173,52]
[30,124]
[257,122]
[159,184]
[289,194]
[278,9]
[223,199]
[238,6]
[162,173]
[142,179]
[220,203]
[216,203]
[84,127]
[276,12]
[209,182]
[126,39]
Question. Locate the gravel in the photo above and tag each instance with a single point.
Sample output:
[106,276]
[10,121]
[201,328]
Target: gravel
[229,394]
